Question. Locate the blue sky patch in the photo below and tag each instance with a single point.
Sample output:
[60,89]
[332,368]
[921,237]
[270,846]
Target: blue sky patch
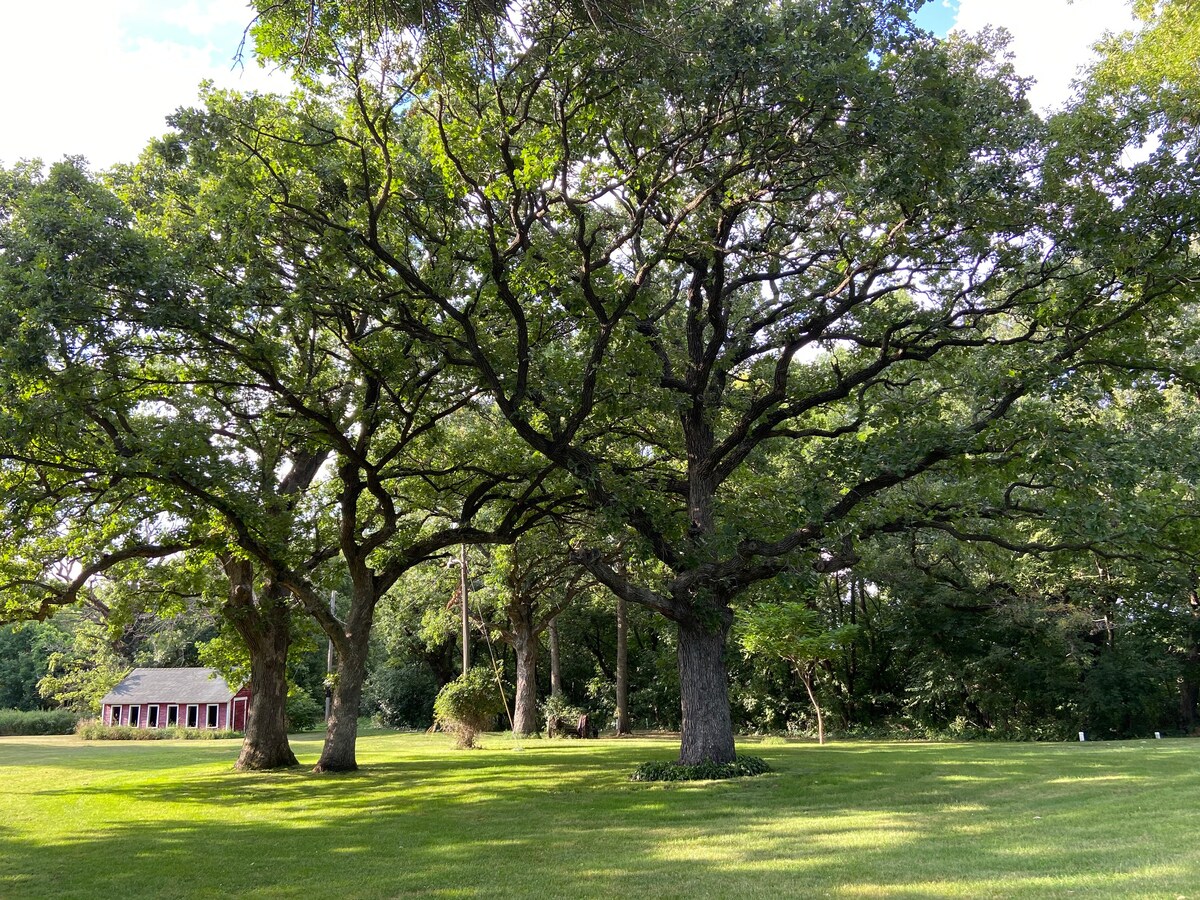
[938,16]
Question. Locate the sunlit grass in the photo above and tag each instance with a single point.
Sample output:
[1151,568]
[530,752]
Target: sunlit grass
[559,818]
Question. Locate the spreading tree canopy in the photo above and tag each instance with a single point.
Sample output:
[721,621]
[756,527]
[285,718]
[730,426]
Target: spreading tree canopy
[753,282]
[749,274]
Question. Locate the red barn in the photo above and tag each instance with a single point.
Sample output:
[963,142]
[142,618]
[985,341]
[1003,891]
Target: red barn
[166,698]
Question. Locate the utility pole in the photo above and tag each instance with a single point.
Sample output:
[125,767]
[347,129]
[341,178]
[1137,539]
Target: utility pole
[463,592]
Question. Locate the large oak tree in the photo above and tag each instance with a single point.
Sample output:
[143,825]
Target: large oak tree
[743,272]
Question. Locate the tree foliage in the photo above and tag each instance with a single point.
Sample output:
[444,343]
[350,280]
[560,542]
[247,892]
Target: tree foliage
[760,293]
[752,276]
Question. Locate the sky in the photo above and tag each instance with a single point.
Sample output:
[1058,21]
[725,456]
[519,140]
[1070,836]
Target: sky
[1051,39]
[97,78]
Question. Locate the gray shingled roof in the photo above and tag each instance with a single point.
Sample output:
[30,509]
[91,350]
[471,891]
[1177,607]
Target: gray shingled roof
[171,686]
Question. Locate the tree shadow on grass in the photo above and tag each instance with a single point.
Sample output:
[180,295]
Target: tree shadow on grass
[158,755]
[845,820]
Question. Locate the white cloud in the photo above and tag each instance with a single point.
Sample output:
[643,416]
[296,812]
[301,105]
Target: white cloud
[1052,39]
[98,78]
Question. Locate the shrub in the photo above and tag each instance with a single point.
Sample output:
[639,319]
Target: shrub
[95,730]
[558,709]
[402,696]
[303,712]
[468,705]
[743,766]
[39,721]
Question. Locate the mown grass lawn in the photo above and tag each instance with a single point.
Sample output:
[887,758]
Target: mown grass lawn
[559,819]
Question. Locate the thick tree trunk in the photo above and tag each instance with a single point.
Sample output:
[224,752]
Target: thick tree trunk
[707,727]
[525,711]
[622,668]
[341,735]
[555,671]
[707,732]
[263,621]
[265,745]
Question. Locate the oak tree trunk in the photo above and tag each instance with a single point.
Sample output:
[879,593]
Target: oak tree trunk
[263,621]
[341,735]
[707,727]
[265,745]
[707,730]
[525,712]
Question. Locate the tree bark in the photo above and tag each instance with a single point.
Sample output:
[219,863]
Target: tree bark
[623,726]
[806,677]
[555,671]
[265,745]
[707,730]
[707,726]
[263,621]
[525,711]
[341,735]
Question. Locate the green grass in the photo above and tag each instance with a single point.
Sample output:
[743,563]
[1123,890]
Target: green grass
[559,818]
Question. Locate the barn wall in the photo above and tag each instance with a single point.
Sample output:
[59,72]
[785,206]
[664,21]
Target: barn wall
[223,718]
[230,715]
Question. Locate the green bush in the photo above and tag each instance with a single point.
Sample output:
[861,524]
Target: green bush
[741,767]
[468,705]
[558,708]
[95,730]
[303,712]
[402,696]
[39,721]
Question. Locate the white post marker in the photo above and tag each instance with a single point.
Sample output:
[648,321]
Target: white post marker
[1081,737]
[1158,735]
